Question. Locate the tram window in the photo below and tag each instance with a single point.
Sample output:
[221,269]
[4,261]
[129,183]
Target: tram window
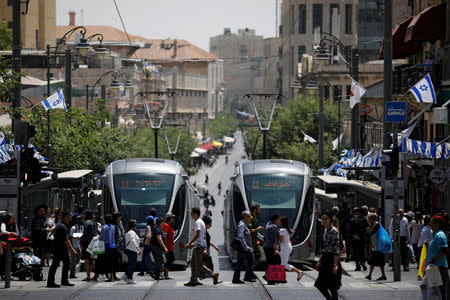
[238,204]
[179,208]
[304,225]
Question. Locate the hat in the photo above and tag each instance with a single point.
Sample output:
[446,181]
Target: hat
[169,215]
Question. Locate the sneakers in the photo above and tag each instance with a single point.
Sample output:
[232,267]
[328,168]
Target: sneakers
[300,275]
[130,281]
[124,277]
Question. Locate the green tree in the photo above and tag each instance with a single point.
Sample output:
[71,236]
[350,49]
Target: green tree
[9,79]
[5,36]
[223,124]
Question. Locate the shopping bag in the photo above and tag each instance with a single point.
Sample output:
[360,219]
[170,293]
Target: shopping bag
[423,256]
[91,244]
[98,247]
[384,241]
[276,273]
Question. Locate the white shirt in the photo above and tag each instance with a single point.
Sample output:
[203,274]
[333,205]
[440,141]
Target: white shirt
[426,235]
[416,229]
[76,229]
[132,241]
[286,239]
[404,228]
[3,230]
[201,241]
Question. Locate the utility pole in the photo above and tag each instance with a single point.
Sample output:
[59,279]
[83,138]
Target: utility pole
[155,131]
[68,83]
[264,143]
[17,52]
[321,126]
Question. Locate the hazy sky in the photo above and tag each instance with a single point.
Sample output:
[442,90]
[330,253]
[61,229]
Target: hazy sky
[195,21]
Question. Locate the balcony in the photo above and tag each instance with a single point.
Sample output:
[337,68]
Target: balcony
[405,76]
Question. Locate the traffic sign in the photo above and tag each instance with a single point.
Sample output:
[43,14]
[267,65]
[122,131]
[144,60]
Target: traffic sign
[395,112]
[367,109]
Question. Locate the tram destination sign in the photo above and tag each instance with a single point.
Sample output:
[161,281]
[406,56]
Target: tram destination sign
[395,112]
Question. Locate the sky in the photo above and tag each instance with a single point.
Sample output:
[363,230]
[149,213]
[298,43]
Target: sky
[195,21]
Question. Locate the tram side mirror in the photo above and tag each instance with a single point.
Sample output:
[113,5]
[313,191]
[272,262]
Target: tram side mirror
[185,176]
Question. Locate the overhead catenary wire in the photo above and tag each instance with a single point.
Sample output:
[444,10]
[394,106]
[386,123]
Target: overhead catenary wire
[123,26]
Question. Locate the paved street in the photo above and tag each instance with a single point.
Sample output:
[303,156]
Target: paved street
[354,284]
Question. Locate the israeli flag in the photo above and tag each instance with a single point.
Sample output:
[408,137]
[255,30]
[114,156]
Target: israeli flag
[55,101]
[4,154]
[424,90]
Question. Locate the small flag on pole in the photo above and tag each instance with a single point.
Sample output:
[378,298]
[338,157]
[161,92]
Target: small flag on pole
[336,141]
[4,154]
[55,101]
[309,138]
[424,90]
[356,92]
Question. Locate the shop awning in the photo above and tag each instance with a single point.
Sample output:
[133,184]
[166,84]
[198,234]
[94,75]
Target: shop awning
[428,25]
[200,150]
[228,139]
[216,143]
[208,146]
[400,48]
[322,195]
[195,154]
[338,184]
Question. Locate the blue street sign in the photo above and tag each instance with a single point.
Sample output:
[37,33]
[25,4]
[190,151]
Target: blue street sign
[395,112]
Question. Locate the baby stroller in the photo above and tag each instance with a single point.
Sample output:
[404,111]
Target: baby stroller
[24,264]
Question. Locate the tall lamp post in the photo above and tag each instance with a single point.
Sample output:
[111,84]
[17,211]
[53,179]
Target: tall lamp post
[351,61]
[82,47]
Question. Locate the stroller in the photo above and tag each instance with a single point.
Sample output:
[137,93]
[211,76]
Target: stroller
[24,264]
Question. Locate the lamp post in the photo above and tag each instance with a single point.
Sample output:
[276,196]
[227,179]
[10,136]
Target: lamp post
[156,126]
[351,62]
[83,48]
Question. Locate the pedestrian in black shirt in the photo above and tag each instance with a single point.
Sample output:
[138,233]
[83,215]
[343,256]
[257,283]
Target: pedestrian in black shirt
[357,229]
[39,232]
[61,248]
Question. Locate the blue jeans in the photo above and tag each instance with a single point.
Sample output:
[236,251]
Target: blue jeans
[145,256]
[242,257]
[132,260]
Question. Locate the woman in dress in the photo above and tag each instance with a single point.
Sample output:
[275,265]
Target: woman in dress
[330,271]
[106,260]
[376,258]
[286,247]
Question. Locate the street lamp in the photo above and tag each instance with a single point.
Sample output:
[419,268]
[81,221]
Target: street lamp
[82,47]
[351,61]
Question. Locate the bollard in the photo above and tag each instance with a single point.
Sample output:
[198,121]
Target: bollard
[8,264]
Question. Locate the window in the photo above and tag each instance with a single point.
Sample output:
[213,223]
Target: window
[293,63]
[10,2]
[334,8]
[301,51]
[302,19]
[337,93]
[243,49]
[191,93]
[317,17]
[292,19]
[348,19]
[347,92]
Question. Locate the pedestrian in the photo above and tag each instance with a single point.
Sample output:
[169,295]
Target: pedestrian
[152,215]
[255,210]
[61,248]
[286,247]
[344,217]
[376,258]
[119,233]
[437,252]
[132,250]
[169,233]
[198,242]
[330,272]
[49,223]
[206,178]
[158,248]
[146,263]
[219,187]
[357,228]
[106,260]
[416,229]
[207,259]
[8,227]
[272,242]
[76,233]
[404,238]
[39,232]
[90,231]
[244,255]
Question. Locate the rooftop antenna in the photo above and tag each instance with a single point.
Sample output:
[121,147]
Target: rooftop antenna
[276,18]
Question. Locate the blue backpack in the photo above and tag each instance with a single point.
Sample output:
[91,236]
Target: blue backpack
[384,241]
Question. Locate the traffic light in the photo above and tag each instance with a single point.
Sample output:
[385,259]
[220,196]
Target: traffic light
[391,166]
[31,167]
[23,131]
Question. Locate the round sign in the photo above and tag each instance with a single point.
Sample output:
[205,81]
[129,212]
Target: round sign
[437,176]
[366,109]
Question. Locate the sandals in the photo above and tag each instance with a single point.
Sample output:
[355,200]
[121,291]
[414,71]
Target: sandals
[382,278]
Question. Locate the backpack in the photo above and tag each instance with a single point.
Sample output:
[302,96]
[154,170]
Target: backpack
[121,243]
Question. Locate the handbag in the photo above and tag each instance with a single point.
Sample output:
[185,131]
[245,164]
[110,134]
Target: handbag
[237,245]
[276,273]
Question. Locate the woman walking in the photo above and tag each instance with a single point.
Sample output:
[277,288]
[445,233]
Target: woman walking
[376,258]
[106,260]
[286,247]
[132,250]
[158,248]
[90,230]
[330,272]
[118,234]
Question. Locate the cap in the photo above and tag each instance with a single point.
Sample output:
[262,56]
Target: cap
[169,215]
[246,213]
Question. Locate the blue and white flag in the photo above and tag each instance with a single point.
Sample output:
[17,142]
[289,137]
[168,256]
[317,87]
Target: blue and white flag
[4,154]
[55,101]
[424,90]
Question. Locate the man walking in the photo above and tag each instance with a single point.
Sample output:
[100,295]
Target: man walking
[255,210]
[245,255]
[76,232]
[404,238]
[39,231]
[199,244]
[357,229]
[61,248]
[272,241]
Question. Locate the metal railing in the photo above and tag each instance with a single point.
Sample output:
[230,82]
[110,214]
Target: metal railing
[405,76]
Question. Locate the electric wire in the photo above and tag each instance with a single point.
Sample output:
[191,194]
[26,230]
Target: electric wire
[123,26]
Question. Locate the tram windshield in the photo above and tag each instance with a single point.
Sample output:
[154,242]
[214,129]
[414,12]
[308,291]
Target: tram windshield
[275,194]
[137,193]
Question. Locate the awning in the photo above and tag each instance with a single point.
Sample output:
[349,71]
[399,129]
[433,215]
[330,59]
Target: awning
[208,146]
[335,184]
[428,25]
[200,150]
[33,81]
[400,48]
[322,195]
[195,154]
[216,143]
[228,139]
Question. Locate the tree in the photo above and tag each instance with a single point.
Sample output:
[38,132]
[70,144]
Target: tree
[9,79]
[5,36]
[223,124]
